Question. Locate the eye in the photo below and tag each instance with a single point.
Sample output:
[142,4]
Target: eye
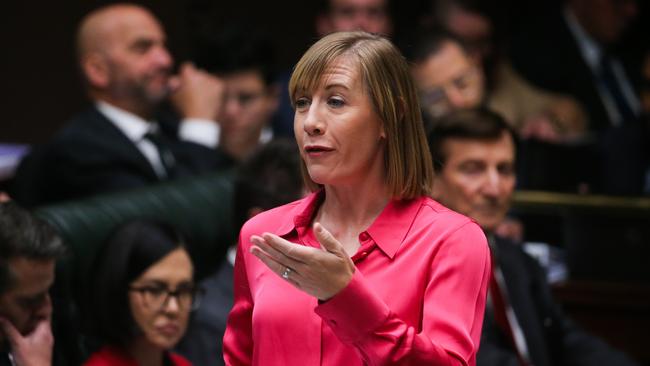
[154,290]
[302,103]
[335,102]
[472,167]
[506,169]
[141,46]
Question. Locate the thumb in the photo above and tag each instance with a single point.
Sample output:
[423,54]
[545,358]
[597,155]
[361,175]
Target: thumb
[327,240]
[10,331]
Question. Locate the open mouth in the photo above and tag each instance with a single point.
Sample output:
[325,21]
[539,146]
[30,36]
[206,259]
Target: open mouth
[315,149]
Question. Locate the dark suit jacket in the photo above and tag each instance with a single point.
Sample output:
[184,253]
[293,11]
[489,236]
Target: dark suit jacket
[90,156]
[547,54]
[552,338]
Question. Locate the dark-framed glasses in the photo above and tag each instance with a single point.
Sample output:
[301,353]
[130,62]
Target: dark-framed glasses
[157,297]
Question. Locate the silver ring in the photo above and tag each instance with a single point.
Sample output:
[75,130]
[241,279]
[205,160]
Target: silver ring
[286,273]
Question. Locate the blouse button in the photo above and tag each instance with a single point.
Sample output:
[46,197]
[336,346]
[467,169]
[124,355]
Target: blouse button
[364,236]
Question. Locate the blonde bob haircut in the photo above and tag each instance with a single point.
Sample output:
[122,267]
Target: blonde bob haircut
[387,81]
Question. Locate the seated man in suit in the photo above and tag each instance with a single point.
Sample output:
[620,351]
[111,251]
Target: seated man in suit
[474,155]
[28,252]
[122,141]
[269,178]
[573,50]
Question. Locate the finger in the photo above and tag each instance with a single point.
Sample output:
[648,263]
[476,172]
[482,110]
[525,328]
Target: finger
[272,264]
[10,331]
[327,240]
[43,327]
[277,255]
[297,252]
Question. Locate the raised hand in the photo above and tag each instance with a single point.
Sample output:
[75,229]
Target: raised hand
[196,93]
[319,272]
[33,349]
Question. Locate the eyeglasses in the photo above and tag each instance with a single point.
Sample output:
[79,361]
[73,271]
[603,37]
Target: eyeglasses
[157,297]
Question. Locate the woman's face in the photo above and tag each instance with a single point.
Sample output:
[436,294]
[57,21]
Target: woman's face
[340,136]
[161,317]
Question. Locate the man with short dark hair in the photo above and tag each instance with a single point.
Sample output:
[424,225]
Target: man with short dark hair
[28,251]
[474,156]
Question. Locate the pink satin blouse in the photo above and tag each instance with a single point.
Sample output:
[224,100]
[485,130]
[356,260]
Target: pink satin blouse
[417,296]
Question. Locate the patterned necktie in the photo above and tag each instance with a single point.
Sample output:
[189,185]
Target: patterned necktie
[166,156]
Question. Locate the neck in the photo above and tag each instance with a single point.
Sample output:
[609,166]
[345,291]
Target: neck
[346,212]
[145,353]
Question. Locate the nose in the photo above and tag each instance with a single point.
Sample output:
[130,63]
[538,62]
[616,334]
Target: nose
[313,123]
[172,305]
[491,184]
[455,97]
[233,105]
[162,56]
[44,310]
[363,21]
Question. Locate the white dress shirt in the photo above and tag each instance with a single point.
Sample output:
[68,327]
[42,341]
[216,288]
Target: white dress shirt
[135,128]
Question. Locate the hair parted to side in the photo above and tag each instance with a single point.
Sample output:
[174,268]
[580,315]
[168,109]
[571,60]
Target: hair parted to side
[24,235]
[469,124]
[129,251]
[387,80]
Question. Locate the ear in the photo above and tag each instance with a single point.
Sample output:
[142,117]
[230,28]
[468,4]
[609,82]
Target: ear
[95,69]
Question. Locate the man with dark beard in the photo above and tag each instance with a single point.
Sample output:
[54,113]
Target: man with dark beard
[122,141]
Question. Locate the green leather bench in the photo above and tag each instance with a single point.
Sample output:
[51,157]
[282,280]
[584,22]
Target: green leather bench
[199,207]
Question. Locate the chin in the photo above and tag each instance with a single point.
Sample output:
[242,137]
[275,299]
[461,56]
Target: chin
[163,342]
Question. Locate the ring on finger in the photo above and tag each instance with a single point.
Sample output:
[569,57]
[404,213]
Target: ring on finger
[286,273]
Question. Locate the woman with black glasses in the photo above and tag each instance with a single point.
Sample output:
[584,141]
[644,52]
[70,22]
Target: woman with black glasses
[141,295]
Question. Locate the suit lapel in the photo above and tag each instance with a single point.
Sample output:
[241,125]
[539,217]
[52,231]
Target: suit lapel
[113,139]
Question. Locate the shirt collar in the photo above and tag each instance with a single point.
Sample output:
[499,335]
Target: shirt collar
[302,213]
[388,230]
[589,49]
[391,226]
[131,125]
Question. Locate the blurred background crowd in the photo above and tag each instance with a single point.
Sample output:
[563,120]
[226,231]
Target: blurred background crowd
[570,78]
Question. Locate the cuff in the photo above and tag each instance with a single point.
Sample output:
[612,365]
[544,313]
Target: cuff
[354,312]
[200,131]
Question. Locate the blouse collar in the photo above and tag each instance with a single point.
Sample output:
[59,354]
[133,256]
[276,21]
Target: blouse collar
[388,230]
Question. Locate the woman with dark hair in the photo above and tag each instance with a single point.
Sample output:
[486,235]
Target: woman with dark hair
[368,269]
[141,294]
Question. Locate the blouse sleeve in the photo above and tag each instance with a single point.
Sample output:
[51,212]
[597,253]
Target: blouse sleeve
[454,303]
[238,338]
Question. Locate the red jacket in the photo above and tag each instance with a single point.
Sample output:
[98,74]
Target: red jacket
[112,356]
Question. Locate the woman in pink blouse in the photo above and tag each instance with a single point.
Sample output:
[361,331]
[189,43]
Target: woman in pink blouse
[368,269]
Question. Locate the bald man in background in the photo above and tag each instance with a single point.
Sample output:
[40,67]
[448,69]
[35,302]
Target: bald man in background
[123,140]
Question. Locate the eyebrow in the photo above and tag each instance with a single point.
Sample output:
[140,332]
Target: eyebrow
[336,85]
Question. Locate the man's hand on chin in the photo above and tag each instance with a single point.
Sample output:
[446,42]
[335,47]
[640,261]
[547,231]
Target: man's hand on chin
[33,349]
